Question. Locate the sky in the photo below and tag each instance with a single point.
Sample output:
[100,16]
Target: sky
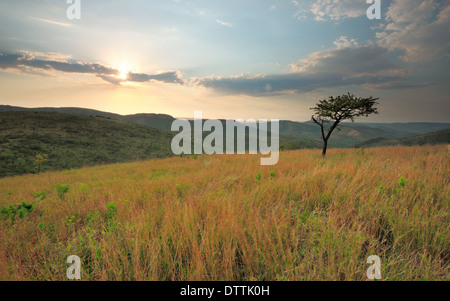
[245,59]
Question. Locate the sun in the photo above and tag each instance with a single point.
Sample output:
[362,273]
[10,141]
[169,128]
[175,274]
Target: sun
[123,74]
[124,70]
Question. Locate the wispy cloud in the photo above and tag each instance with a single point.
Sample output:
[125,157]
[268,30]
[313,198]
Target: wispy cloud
[224,23]
[51,22]
[326,10]
[55,56]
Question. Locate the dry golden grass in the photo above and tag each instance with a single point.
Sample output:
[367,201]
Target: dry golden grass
[210,218]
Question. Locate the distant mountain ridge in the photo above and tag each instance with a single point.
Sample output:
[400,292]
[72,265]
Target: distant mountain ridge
[441,137]
[350,134]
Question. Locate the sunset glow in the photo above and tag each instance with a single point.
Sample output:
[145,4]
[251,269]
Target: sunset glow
[239,59]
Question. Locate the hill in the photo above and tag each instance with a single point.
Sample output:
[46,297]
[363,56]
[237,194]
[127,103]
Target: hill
[350,134]
[441,137]
[157,121]
[412,128]
[73,141]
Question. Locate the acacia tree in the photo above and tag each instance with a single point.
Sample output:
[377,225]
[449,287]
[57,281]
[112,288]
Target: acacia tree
[336,109]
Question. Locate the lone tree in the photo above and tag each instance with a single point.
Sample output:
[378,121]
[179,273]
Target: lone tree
[39,161]
[336,109]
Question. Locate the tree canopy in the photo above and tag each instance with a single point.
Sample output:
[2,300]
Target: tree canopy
[337,109]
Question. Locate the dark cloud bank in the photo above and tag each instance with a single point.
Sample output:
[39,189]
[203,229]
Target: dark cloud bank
[342,66]
[21,60]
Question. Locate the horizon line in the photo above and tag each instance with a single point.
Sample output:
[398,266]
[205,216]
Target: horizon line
[192,118]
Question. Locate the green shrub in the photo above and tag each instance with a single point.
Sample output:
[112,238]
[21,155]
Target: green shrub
[39,160]
[111,213]
[402,182]
[12,211]
[62,190]
[40,196]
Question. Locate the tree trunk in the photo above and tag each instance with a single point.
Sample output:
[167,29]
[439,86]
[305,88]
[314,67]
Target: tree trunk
[324,151]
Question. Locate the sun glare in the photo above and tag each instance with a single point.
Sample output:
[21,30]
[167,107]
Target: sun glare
[123,74]
[124,70]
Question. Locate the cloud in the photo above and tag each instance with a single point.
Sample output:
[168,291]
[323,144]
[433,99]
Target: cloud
[263,85]
[25,60]
[328,10]
[54,56]
[341,66]
[418,28]
[344,42]
[52,22]
[348,58]
[171,77]
[224,23]
[111,79]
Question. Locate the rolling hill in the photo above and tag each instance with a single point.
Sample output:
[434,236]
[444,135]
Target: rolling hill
[348,135]
[73,141]
[441,137]
[306,134]
[412,128]
[77,137]
[157,121]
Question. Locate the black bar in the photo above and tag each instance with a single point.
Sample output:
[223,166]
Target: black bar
[227,290]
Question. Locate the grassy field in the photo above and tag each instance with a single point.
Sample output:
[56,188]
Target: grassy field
[228,218]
